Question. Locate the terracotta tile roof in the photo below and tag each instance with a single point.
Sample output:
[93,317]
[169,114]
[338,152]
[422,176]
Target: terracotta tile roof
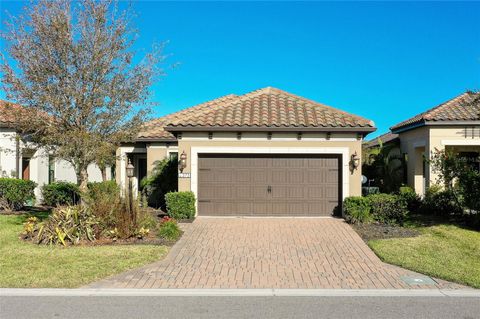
[7,113]
[384,138]
[460,108]
[155,129]
[268,108]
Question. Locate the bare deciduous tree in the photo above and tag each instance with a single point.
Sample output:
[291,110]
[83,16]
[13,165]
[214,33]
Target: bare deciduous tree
[71,65]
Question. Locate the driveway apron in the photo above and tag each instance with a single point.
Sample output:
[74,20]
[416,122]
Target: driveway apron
[279,253]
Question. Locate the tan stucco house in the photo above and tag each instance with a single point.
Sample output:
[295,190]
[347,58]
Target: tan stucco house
[453,125]
[266,153]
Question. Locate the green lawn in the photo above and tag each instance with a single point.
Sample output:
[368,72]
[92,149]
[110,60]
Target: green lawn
[443,251]
[28,265]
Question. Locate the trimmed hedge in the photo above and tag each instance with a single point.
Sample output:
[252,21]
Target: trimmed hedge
[440,202]
[180,205]
[14,193]
[388,209]
[60,193]
[357,210]
[384,208]
[410,197]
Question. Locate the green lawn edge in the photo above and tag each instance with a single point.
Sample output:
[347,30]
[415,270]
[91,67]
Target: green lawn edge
[446,252]
[26,265]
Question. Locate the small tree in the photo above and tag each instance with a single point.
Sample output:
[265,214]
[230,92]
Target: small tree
[75,75]
[459,177]
[386,164]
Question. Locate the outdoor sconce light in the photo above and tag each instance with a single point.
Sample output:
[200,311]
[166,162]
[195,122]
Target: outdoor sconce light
[130,169]
[182,163]
[355,160]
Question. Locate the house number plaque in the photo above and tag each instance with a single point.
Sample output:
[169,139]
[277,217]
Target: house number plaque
[184,175]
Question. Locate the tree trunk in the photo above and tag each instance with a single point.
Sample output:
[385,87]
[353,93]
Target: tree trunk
[82,180]
[104,173]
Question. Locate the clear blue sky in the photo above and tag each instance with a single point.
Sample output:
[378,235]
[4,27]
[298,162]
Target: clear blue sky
[385,61]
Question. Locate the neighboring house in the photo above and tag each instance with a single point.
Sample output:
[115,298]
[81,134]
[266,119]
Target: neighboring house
[453,125]
[267,152]
[382,140]
[21,159]
[383,163]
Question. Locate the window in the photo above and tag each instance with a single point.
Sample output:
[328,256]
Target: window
[172,155]
[51,169]
[472,159]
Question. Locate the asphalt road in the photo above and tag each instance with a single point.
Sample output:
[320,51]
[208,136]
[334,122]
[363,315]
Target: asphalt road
[145,307]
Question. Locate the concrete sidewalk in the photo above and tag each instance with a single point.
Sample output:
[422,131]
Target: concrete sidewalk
[83,292]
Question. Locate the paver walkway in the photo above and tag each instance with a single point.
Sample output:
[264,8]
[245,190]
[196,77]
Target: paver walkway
[269,253]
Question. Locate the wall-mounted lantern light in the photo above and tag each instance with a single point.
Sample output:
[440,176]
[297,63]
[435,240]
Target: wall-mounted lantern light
[182,162]
[130,168]
[355,160]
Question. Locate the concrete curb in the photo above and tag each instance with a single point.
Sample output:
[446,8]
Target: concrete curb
[20,292]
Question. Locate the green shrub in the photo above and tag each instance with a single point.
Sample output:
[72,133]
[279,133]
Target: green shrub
[440,202]
[168,229]
[357,210]
[100,189]
[162,180]
[60,193]
[103,199]
[468,182]
[67,225]
[387,208]
[180,205]
[473,220]
[411,198]
[14,193]
[147,220]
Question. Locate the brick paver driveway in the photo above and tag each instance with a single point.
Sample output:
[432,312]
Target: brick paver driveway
[268,253]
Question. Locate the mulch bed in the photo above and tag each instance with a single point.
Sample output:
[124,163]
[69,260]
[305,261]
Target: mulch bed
[26,210]
[105,241]
[152,240]
[382,231]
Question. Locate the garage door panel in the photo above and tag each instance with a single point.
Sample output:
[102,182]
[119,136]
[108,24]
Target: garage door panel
[243,192]
[306,185]
[279,176]
[295,176]
[243,175]
[262,208]
[260,192]
[314,192]
[331,176]
[260,176]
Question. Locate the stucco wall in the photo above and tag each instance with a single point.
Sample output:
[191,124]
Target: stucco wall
[284,141]
[8,165]
[413,143]
[157,152]
[424,141]
[445,136]
[64,172]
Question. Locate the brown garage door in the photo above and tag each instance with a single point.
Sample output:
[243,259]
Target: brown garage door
[266,185]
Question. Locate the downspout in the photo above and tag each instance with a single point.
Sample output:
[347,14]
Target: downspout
[17,156]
